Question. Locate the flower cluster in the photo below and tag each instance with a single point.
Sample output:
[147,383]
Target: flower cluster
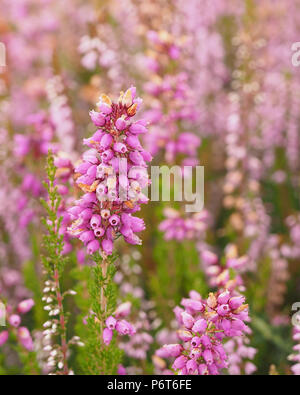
[204,326]
[174,114]
[117,323]
[178,227]
[14,321]
[112,175]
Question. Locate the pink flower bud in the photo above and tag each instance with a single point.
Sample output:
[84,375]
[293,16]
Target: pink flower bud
[137,128]
[111,322]
[92,171]
[3,337]
[137,224]
[107,246]
[121,124]
[99,232]
[97,118]
[192,366]
[202,369]
[187,319]
[200,326]
[225,324]
[83,167]
[195,342]
[106,141]
[123,310]
[124,328]
[121,370]
[107,155]
[97,136]
[25,338]
[136,158]
[172,350]
[87,236]
[236,302]
[120,147]
[105,108]
[133,142]
[14,320]
[114,220]
[208,357]
[95,221]
[205,340]
[192,304]
[238,325]
[180,362]
[93,246]
[195,353]
[25,306]
[209,257]
[223,297]
[223,309]
[86,214]
[107,336]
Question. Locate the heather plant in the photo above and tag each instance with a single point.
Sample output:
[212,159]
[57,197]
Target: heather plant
[55,328]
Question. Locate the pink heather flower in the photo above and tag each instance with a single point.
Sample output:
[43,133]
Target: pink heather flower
[203,331]
[97,118]
[172,350]
[192,366]
[112,176]
[121,370]
[208,357]
[236,302]
[223,309]
[25,306]
[195,342]
[123,310]
[93,246]
[15,320]
[124,328]
[187,319]
[114,220]
[180,362]
[107,336]
[107,246]
[3,337]
[111,322]
[25,338]
[224,297]
[192,304]
[87,236]
[121,124]
[200,326]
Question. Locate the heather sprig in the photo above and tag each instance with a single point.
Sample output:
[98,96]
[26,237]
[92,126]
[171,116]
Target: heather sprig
[98,355]
[55,329]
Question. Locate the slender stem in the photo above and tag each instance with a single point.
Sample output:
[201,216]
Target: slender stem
[64,346]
